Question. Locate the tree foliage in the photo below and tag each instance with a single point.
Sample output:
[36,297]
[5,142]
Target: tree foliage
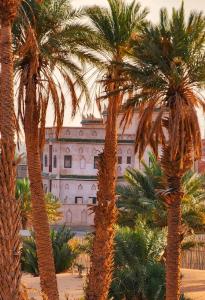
[23,194]
[64,256]
[138,273]
[139,198]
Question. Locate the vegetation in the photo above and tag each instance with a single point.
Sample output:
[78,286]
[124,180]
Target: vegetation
[64,255]
[41,54]
[9,210]
[23,194]
[138,272]
[166,71]
[156,69]
[140,199]
[114,28]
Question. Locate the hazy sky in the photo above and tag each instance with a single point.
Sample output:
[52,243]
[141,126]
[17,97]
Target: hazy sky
[153,6]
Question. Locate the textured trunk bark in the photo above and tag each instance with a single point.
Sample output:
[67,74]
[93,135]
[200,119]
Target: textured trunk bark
[173,254]
[100,275]
[39,215]
[10,219]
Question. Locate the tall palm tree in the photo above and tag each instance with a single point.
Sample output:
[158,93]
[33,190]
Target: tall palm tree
[48,48]
[9,210]
[114,27]
[168,71]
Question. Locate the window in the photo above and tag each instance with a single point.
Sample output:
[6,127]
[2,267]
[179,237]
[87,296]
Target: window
[96,158]
[78,200]
[93,200]
[55,161]
[50,158]
[67,161]
[50,186]
[119,160]
[46,160]
[129,160]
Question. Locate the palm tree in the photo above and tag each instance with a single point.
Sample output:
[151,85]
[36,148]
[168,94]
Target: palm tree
[167,73]
[114,27]
[45,58]
[139,198]
[9,210]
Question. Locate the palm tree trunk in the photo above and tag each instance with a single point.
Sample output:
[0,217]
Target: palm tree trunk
[10,273]
[173,251]
[39,215]
[100,275]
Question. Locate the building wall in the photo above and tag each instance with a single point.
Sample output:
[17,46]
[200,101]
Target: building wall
[82,144]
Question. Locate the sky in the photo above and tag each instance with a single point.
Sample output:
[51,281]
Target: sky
[154,7]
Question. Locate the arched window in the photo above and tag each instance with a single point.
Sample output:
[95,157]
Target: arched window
[80,187]
[93,188]
[67,150]
[81,150]
[94,133]
[82,163]
[46,160]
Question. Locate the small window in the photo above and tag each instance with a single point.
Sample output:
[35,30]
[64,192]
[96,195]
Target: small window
[119,160]
[78,200]
[55,161]
[96,159]
[67,161]
[129,160]
[92,200]
[46,160]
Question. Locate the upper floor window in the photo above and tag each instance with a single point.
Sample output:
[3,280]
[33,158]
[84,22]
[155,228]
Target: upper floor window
[96,159]
[67,161]
[55,161]
[129,160]
[119,160]
[46,160]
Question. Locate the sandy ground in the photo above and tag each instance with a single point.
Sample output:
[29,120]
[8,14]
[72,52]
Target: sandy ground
[69,286]
[193,284]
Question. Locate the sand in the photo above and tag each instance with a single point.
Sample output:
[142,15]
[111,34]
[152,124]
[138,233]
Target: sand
[193,284]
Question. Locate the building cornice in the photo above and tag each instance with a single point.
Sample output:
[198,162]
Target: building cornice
[87,141]
[75,177]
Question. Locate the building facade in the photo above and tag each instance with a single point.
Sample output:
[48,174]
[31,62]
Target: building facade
[69,165]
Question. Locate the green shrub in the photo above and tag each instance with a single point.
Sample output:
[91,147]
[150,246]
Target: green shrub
[138,271]
[64,255]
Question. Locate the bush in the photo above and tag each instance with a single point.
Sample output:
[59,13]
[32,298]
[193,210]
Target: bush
[138,271]
[64,255]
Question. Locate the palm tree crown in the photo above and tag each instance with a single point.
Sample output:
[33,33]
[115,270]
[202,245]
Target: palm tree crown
[168,70]
[55,56]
